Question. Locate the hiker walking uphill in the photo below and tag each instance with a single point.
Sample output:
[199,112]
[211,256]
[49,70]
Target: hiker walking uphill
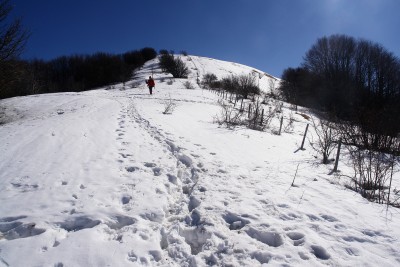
[150,83]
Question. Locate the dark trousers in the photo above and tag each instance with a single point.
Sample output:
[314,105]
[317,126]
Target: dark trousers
[151,89]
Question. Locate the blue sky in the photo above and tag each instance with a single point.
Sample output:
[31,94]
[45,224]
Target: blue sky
[270,35]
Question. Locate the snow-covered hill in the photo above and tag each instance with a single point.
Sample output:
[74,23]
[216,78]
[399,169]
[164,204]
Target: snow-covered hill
[199,66]
[104,178]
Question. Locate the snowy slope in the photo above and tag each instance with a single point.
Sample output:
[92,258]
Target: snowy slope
[104,178]
[199,66]
[202,65]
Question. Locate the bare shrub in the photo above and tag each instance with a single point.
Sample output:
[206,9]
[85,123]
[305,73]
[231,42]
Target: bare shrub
[243,85]
[188,85]
[374,157]
[256,117]
[327,137]
[169,105]
[228,116]
[289,126]
[272,89]
[135,84]
[274,108]
[372,172]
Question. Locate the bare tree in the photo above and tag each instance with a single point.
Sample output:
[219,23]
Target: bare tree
[175,66]
[12,42]
[12,35]
[247,85]
[208,80]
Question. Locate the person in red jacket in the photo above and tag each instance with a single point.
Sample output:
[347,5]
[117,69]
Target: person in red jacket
[150,83]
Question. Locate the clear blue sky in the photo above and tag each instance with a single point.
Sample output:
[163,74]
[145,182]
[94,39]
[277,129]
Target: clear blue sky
[270,35]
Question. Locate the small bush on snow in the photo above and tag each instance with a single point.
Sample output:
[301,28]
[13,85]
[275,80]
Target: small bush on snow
[169,105]
[188,85]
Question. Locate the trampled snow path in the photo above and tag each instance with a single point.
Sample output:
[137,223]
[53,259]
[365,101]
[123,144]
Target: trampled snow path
[182,232]
[103,178]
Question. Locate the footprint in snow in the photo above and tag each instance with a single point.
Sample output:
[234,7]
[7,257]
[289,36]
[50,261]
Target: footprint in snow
[157,171]
[78,223]
[235,221]
[172,179]
[320,252]
[289,216]
[125,155]
[283,206]
[126,199]
[352,251]
[297,238]
[329,218]
[313,217]
[120,221]
[11,219]
[131,169]
[11,228]
[270,238]
[23,187]
[150,164]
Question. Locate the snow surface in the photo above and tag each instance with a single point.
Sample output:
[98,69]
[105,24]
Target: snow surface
[104,178]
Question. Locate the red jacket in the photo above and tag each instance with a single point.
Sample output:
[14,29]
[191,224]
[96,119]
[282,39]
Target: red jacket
[151,83]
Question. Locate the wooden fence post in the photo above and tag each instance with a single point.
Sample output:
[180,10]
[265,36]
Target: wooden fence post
[304,138]
[262,117]
[337,155]
[280,127]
